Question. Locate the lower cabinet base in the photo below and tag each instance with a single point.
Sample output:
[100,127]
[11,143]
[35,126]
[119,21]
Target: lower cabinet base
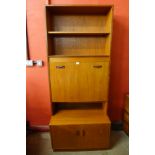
[76,136]
[79,137]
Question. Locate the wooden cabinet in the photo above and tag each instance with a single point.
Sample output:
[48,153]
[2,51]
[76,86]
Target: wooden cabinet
[78,48]
[94,136]
[79,80]
[73,133]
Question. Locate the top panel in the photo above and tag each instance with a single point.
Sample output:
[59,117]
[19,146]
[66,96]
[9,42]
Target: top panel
[88,9]
[65,117]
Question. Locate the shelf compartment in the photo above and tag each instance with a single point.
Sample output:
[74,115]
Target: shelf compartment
[79,22]
[80,106]
[79,45]
[77,105]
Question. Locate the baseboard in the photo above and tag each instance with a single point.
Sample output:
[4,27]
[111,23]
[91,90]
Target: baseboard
[118,125]
[42,128]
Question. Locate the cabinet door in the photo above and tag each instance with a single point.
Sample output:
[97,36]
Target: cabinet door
[95,136]
[79,81]
[74,137]
[66,137]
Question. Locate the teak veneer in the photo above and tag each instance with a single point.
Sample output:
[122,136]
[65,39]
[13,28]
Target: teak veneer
[78,129]
[78,48]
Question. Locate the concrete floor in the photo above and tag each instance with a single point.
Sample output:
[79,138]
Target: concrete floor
[38,143]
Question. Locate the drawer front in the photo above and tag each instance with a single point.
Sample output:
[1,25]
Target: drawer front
[78,137]
[79,81]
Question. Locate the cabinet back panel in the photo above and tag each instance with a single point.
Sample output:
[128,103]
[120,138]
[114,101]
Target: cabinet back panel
[77,105]
[79,23]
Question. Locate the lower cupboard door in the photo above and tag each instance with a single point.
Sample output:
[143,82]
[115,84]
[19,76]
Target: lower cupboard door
[66,137]
[96,136]
[80,137]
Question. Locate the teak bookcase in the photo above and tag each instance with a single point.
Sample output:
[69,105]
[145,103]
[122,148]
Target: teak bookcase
[78,47]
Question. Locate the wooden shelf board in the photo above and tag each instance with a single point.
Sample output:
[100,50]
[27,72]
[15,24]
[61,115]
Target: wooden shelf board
[88,116]
[53,56]
[91,9]
[57,33]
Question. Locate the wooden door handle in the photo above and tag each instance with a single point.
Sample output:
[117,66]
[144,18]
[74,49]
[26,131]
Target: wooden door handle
[60,67]
[97,66]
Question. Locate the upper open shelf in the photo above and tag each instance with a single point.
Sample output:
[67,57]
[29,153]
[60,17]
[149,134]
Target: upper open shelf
[79,19]
[79,29]
[79,9]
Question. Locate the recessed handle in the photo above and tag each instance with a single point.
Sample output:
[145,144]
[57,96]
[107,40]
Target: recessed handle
[60,67]
[97,66]
[83,133]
